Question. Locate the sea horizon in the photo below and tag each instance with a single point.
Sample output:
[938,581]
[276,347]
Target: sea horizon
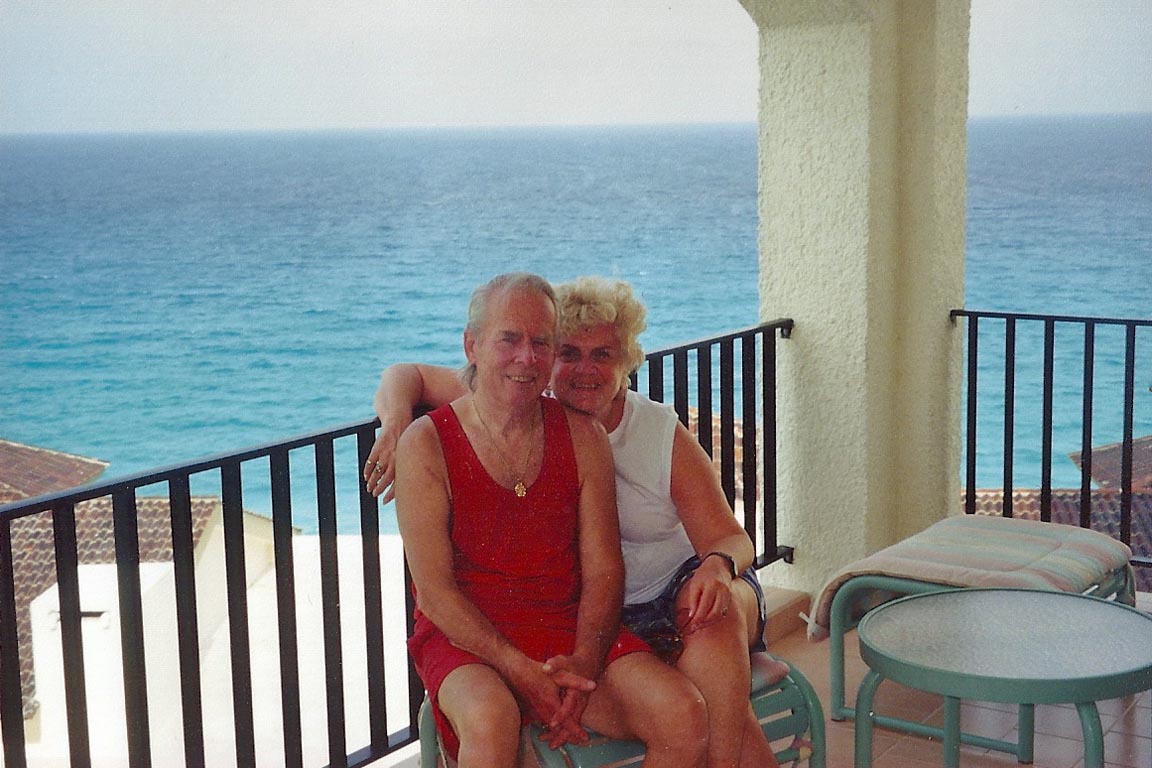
[483,127]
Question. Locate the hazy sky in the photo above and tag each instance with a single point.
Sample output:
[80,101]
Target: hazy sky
[101,65]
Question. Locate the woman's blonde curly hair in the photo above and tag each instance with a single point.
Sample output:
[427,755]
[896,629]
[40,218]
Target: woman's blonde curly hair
[591,301]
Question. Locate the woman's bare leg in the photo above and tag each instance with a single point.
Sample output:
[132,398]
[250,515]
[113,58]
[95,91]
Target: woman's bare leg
[715,658]
[641,697]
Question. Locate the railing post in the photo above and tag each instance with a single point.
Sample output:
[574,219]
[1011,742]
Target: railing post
[284,563]
[1046,426]
[748,464]
[727,414]
[680,384]
[11,697]
[970,451]
[1086,431]
[131,627]
[330,602]
[187,626]
[1126,445]
[373,601]
[71,639]
[768,430]
[237,580]
[704,397]
[656,378]
[1009,409]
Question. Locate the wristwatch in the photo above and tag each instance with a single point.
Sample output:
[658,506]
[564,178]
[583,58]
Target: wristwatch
[727,557]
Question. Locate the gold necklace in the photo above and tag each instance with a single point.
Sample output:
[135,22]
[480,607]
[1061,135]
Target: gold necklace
[519,488]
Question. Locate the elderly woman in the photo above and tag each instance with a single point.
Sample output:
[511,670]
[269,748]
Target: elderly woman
[507,511]
[690,589]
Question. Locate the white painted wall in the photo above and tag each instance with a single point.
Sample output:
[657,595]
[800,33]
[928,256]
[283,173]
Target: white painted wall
[103,662]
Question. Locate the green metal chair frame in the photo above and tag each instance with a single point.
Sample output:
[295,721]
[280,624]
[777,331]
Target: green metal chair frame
[788,709]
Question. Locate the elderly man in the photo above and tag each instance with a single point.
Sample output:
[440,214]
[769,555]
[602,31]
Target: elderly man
[506,505]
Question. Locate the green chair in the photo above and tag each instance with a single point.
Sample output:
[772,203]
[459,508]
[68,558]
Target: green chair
[788,708]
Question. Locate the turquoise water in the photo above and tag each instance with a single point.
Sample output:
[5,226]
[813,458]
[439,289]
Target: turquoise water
[170,296]
[1059,222]
[165,297]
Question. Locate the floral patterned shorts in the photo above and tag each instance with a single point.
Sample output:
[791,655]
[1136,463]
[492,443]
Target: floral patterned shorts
[655,620]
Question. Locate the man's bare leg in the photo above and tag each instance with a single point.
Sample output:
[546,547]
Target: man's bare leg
[484,714]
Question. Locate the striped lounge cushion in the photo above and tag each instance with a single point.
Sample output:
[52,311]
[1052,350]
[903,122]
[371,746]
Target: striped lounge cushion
[983,551]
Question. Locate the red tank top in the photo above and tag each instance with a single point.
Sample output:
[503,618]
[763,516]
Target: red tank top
[517,559]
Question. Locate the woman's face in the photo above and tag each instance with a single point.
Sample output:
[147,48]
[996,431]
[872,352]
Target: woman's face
[589,369]
[513,353]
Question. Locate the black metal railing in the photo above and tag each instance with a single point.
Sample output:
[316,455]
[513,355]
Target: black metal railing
[727,385]
[308,481]
[1081,375]
[17,537]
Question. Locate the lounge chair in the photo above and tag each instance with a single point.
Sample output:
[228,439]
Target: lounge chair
[968,551]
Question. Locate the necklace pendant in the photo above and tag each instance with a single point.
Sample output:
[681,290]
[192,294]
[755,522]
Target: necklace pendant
[519,488]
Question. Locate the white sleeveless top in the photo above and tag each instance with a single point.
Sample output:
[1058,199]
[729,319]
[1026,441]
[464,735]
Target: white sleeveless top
[652,536]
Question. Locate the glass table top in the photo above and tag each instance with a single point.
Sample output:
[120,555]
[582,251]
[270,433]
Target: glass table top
[1010,636]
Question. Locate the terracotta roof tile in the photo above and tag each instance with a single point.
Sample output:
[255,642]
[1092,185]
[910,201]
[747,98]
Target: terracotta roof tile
[1106,467]
[9,494]
[30,471]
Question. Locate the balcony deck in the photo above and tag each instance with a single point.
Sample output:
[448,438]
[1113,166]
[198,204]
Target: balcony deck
[1127,722]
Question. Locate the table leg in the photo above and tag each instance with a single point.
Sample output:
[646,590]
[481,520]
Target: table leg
[951,732]
[1026,726]
[1093,734]
[864,698]
[836,630]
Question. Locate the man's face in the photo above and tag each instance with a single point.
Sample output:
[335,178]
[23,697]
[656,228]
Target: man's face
[589,369]
[514,351]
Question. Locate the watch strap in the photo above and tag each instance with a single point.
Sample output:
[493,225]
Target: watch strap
[727,557]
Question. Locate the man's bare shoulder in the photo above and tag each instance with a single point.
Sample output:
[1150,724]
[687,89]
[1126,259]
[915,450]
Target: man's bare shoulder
[419,454]
[419,438]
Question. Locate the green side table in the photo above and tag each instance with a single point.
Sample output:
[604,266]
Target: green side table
[1025,647]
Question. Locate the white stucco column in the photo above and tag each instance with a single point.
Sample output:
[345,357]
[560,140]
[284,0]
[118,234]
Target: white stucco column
[863,109]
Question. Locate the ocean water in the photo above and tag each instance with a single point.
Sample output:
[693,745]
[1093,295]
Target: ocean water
[1059,222]
[166,297]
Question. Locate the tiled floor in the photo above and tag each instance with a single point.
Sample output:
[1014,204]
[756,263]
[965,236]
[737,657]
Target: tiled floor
[1127,722]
